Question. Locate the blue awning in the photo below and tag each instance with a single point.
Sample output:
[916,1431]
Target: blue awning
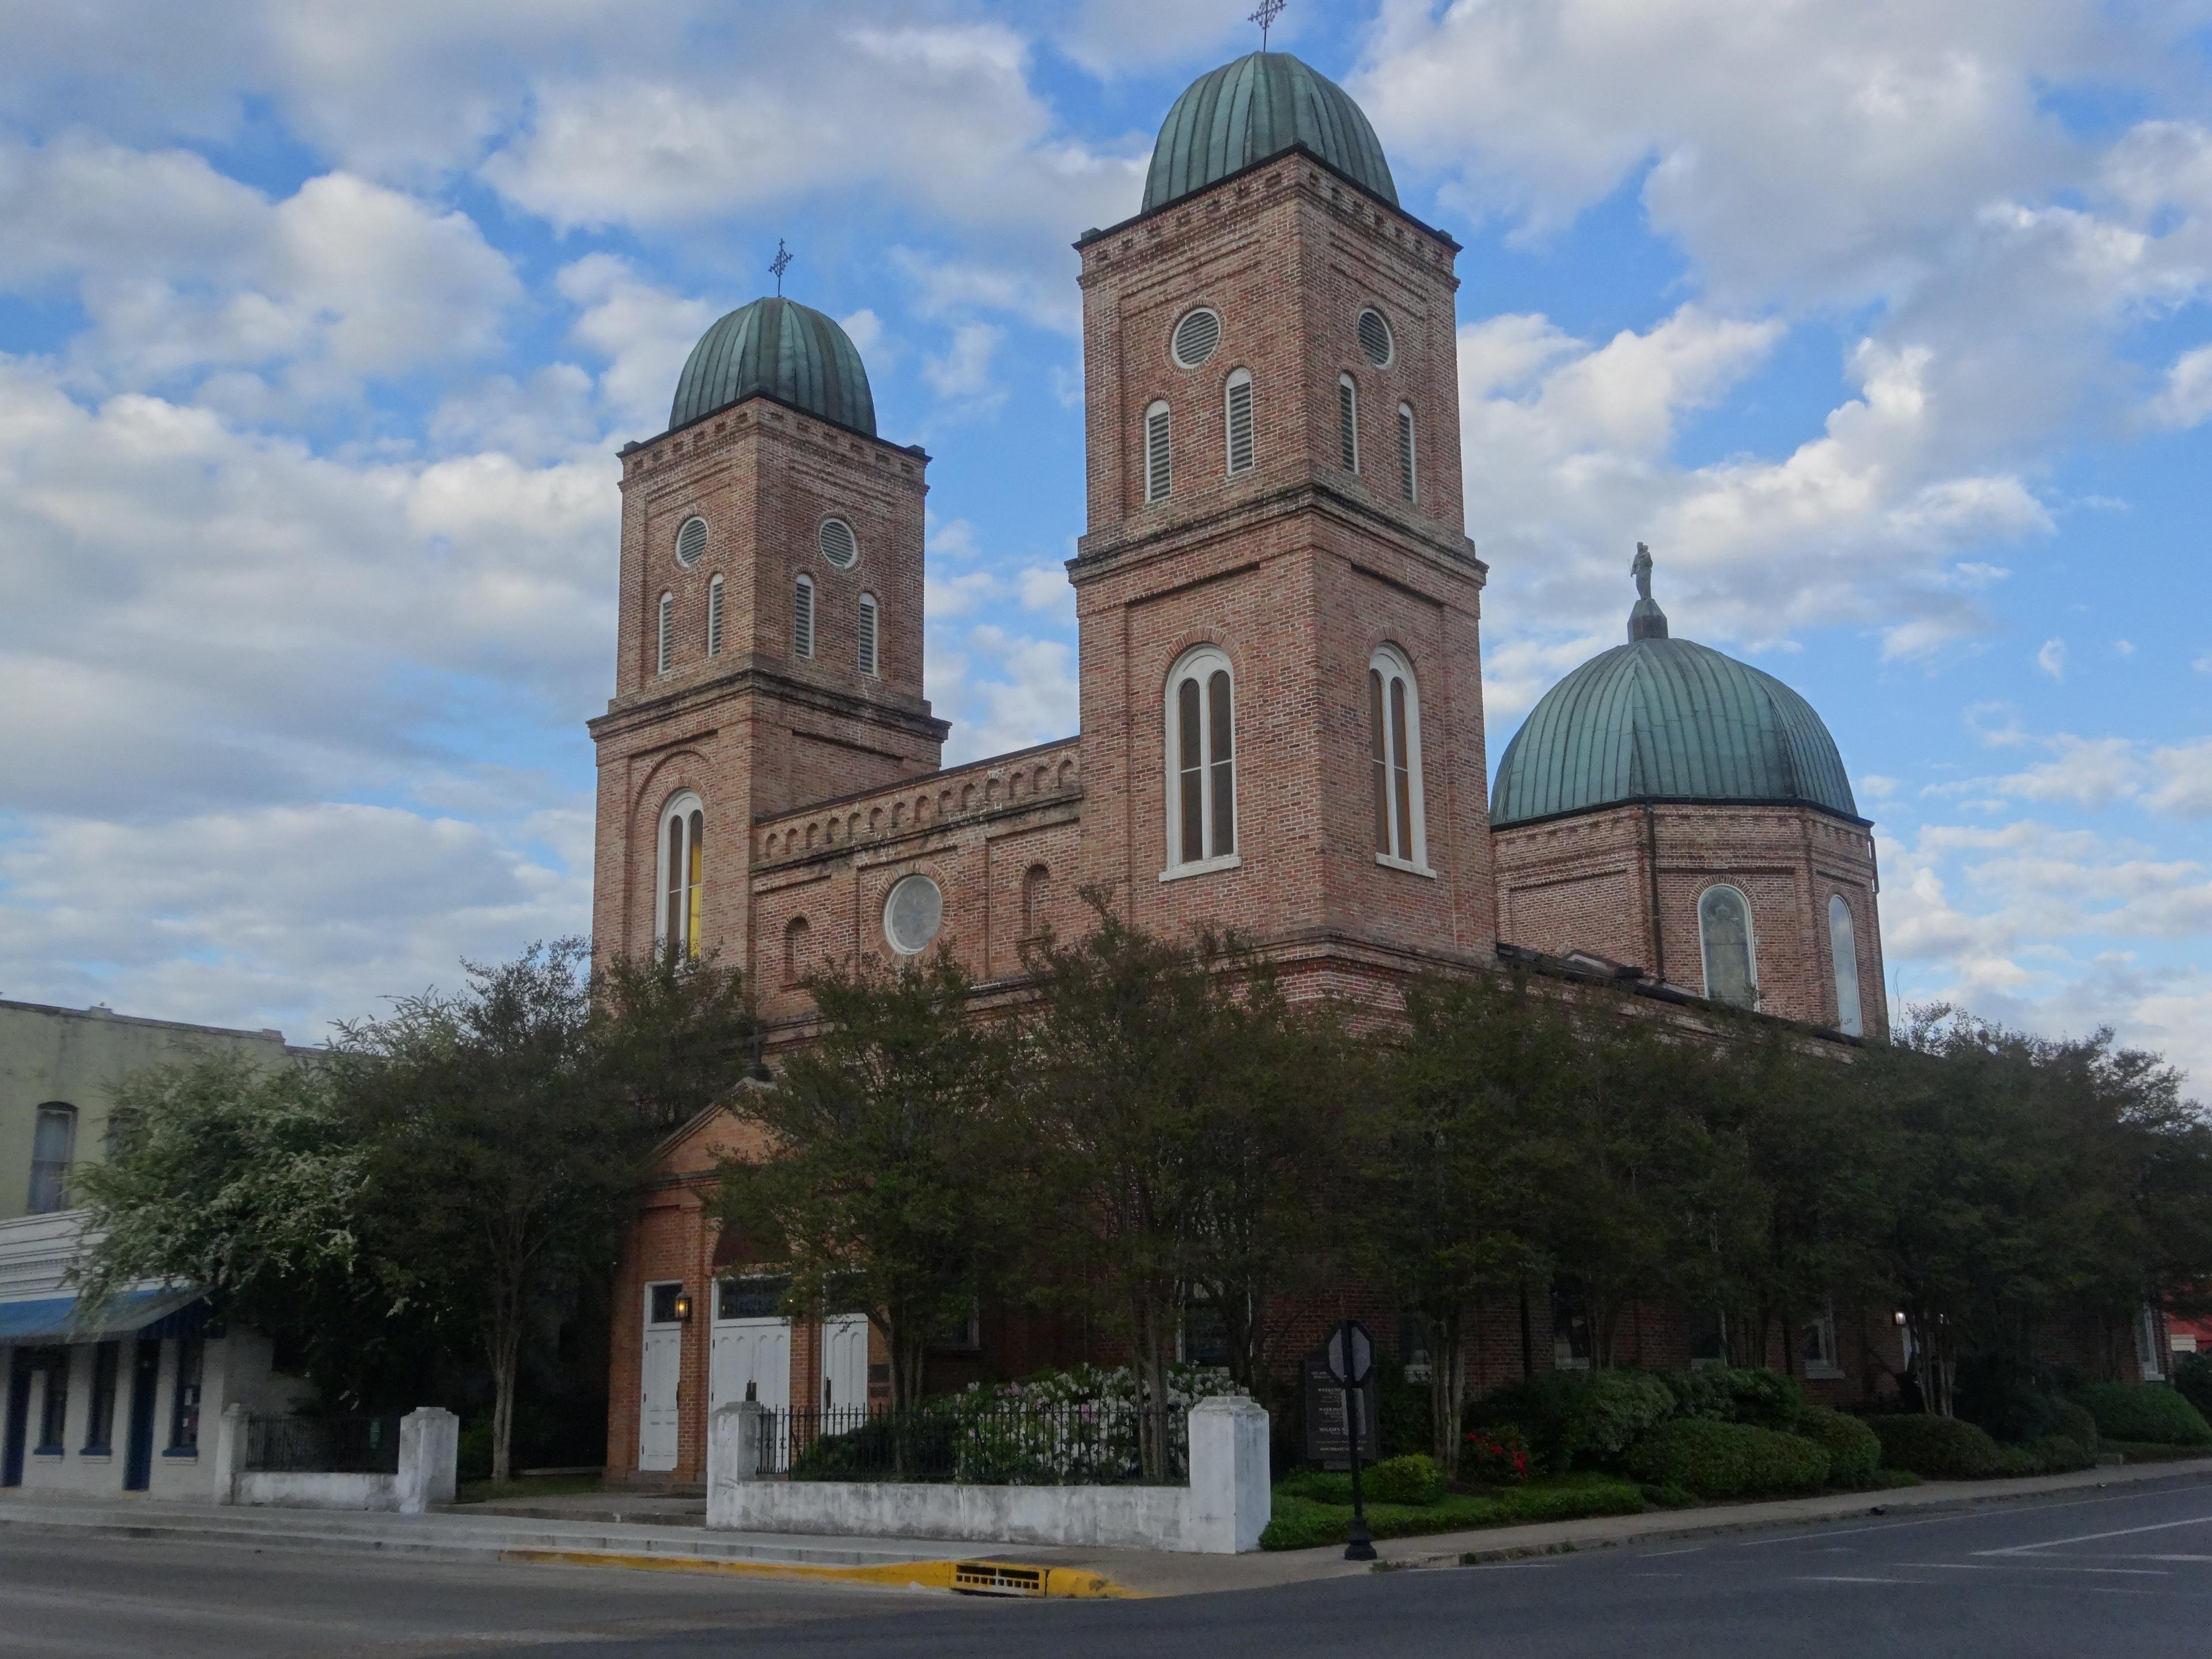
[55,1319]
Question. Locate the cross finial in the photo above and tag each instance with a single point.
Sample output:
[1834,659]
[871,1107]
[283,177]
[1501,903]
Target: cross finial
[782,263]
[1265,17]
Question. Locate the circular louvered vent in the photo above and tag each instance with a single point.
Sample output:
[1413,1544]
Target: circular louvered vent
[691,542]
[1375,338]
[1196,336]
[837,543]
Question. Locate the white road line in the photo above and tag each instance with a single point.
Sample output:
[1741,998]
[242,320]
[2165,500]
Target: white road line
[1839,1578]
[2095,1537]
[1979,1511]
[1655,1555]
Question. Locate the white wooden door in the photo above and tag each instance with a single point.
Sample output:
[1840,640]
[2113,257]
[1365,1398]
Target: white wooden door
[751,1360]
[845,1363]
[660,1372]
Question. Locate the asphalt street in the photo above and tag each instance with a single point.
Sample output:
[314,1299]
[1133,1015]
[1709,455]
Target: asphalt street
[2089,1573]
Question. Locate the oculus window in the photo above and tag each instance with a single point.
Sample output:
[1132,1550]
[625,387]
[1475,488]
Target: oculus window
[913,912]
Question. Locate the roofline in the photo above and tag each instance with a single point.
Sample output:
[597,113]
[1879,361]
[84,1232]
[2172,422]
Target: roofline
[110,1015]
[1301,148]
[1498,823]
[1660,991]
[902,784]
[913,451]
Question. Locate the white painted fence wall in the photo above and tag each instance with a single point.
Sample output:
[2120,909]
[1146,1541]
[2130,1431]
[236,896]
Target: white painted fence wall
[429,1457]
[1222,1511]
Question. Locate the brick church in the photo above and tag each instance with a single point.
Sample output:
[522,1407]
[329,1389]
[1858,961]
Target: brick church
[1279,616]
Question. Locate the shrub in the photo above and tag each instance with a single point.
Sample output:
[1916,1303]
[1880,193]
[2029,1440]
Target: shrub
[2145,1411]
[1576,1417]
[2006,1398]
[2060,1454]
[1412,1478]
[2192,1376]
[2078,1423]
[1300,1523]
[1530,1504]
[1498,1458]
[1854,1452]
[1936,1448]
[1726,1459]
[1320,1485]
[1736,1395]
[1669,1497]
[1402,1409]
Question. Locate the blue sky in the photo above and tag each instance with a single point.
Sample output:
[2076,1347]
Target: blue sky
[1885,324]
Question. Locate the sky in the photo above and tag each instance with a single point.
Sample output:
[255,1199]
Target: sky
[1885,324]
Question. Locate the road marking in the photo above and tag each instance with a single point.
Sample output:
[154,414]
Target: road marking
[1655,1555]
[2095,1537]
[1982,1509]
[1839,1578]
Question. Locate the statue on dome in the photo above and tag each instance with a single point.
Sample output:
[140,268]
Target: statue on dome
[1641,571]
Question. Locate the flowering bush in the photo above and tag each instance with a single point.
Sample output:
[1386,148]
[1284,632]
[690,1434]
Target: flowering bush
[1499,1457]
[1078,1426]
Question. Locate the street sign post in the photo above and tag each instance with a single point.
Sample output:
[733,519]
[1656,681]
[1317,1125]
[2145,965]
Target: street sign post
[1349,1356]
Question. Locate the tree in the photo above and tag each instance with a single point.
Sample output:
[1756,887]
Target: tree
[884,1179]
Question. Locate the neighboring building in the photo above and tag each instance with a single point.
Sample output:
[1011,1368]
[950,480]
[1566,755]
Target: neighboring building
[1278,612]
[120,1404]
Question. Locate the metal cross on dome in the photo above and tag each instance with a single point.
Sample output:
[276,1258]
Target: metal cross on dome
[782,263]
[1265,17]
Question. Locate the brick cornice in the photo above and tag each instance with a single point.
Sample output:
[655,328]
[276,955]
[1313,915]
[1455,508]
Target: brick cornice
[646,707]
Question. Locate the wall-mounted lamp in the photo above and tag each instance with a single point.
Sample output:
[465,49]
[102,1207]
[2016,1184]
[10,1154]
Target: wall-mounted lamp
[683,1307]
[1901,1319]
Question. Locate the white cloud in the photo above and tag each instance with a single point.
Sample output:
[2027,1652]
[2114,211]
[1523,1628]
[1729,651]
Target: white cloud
[2185,789]
[2050,658]
[1875,787]
[964,375]
[642,331]
[2186,399]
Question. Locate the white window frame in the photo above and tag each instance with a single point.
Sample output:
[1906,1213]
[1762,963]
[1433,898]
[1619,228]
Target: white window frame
[1409,473]
[806,618]
[680,809]
[49,1189]
[1347,422]
[684,529]
[664,643]
[1392,664]
[1851,1018]
[1389,336]
[1198,663]
[1750,939]
[868,637]
[1159,451]
[1239,380]
[714,617]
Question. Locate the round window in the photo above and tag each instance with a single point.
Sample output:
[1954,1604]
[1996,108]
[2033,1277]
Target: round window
[838,543]
[690,542]
[1195,337]
[1375,338]
[912,914]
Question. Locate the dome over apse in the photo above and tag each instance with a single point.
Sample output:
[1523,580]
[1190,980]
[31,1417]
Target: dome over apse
[1661,718]
[1258,107]
[788,351]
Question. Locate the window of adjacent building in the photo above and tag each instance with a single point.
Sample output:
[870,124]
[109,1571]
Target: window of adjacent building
[665,646]
[1724,932]
[1408,480]
[184,1398]
[802,618]
[1201,760]
[1844,954]
[691,542]
[1394,721]
[683,886]
[913,911]
[1243,453]
[1348,421]
[1204,1338]
[53,1402]
[1375,341]
[867,628]
[1708,1339]
[100,1421]
[1035,881]
[53,1144]
[714,617]
[1195,337]
[838,543]
[1159,471]
[1816,1344]
[795,950]
[1571,1326]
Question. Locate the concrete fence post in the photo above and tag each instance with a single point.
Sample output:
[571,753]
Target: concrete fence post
[229,1453]
[429,1458]
[737,1446]
[1230,1500]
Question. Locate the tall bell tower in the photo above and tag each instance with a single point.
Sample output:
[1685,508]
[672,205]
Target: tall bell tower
[1279,605]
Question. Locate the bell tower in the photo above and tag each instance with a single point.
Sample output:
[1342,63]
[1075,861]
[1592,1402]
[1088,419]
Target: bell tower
[1279,604]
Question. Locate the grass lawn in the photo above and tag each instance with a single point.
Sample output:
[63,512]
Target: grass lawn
[1303,1523]
[551,1486]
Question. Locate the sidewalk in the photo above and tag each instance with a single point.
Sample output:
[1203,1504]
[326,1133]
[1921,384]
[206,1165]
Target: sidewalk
[667,1543]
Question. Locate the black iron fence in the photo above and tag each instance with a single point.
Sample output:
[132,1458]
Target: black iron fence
[322,1445]
[1056,1444]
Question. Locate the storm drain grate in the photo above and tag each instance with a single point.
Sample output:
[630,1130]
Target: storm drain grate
[996,1578]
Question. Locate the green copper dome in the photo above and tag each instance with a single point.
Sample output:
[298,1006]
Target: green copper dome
[1256,107]
[1667,719]
[791,352]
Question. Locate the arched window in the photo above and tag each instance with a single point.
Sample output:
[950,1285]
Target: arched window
[1408,480]
[1159,472]
[795,950]
[1348,421]
[1843,953]
[714,617]
[682,875]
[1201,731]
[1394,723]
[53,1144]
[802,618]
[1724,932]
[868,634]
[1034,881]
[664,652]
[1244,454]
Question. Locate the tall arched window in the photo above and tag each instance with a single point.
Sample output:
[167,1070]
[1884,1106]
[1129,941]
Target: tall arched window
[802,618]
[682,875]
[53,1144]
[1160,470]
[1034,881]
[714,617]
[1243,453]
[1408,478]
[795,950]
[867,633]
[1394,723]
[1348,421]
[1724,933]
[664,652]
[1843,954]
[1201,732]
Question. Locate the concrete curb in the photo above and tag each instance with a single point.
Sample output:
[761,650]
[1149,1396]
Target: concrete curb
[970,1577]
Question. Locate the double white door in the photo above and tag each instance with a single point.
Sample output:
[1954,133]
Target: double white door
[751,1360]
[659,1374]
[845,1363]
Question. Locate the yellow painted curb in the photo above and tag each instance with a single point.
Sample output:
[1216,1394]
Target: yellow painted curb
[974,1577]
